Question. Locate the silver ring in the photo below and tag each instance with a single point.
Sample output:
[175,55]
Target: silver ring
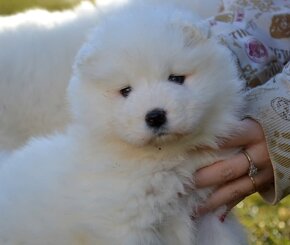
[253,170]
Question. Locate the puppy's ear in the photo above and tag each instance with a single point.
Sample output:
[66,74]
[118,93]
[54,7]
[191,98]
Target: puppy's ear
[195,33]
[84,54]
[193,29]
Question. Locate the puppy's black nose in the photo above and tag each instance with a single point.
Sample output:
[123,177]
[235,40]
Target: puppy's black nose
[156,118]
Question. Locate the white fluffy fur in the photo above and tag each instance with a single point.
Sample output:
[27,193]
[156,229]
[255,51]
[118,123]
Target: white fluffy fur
[37,52]
[110,179]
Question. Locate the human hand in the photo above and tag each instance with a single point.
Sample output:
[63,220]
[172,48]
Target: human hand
[231,175]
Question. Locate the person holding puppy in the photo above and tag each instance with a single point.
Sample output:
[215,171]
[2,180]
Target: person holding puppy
[258,33]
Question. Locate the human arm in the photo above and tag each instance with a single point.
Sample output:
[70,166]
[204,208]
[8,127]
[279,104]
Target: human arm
[265,138]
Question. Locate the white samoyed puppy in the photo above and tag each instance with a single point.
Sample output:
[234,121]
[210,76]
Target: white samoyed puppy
[148,89]
[37,52]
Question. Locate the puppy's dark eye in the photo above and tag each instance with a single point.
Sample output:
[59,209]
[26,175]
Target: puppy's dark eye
[176,79]
[125,91]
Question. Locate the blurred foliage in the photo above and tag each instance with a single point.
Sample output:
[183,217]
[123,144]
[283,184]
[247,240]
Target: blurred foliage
[8,7]
[266,224]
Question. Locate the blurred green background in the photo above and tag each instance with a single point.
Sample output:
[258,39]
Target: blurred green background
[8,7]
[267,225]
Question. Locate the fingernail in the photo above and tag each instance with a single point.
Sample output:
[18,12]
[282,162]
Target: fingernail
[223,217]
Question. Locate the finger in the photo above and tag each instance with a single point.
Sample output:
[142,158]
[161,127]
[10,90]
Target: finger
[264,187]
[226,170]
[248,132]
[259,155]
[227,194]
[230,206]
[235,191]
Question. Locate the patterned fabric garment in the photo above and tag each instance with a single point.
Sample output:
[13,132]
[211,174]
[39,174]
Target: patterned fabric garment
[258,34]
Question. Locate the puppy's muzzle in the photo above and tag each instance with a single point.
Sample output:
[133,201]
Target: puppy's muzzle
[156,118]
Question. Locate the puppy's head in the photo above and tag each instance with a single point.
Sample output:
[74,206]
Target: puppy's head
[150,75]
